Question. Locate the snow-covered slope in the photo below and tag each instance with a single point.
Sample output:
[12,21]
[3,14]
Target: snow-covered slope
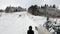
[16,23]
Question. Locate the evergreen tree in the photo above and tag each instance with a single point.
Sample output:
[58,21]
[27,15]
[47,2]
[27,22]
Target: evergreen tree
[54,6]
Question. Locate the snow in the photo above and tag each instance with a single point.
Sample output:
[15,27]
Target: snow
[12,23]
[18,22]
[39,20]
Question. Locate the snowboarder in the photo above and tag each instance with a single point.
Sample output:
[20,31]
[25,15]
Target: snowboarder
[30,31]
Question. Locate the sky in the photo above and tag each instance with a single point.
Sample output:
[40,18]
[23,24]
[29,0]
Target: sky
[27,3]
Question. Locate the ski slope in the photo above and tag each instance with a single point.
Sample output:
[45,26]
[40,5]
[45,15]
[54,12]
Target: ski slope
[12,23]
[18,22]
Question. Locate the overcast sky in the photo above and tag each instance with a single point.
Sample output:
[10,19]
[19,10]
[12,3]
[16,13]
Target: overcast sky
[27,3]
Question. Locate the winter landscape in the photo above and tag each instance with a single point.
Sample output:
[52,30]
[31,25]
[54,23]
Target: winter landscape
[29,16]
[19,22]
[12,23]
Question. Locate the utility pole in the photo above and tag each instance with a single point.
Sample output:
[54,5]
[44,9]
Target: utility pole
[46,12]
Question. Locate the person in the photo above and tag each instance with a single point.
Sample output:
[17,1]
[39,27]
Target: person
[36,28]
[30,31]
